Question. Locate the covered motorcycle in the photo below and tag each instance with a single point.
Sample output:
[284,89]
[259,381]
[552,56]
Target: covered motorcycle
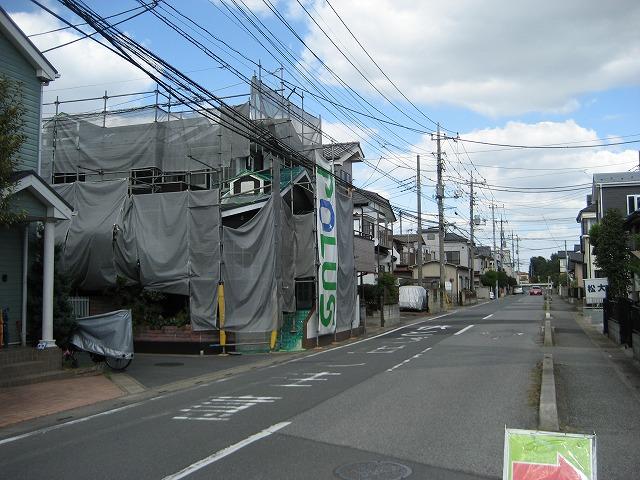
[109,334]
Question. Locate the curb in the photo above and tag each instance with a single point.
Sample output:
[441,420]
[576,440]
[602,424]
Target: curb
[548,410]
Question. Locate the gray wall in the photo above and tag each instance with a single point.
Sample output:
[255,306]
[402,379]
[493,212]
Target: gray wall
[616,197]
[14,66]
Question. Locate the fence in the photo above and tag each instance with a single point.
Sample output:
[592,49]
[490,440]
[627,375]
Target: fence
[620,319]
[79,306]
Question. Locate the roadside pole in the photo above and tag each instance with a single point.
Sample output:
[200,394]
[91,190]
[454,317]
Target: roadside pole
[419,228]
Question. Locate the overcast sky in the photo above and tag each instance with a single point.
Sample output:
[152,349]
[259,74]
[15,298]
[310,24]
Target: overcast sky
[524,73]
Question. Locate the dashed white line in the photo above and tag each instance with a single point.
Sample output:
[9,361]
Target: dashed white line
[463,330]
[488,316]
[417,355]
[194,467]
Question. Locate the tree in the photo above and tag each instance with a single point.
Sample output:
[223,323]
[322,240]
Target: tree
[489,279]
[613,255]
[542,269]
[63,321]
[11,140]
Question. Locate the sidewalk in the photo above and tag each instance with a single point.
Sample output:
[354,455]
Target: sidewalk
[598,390]
[147,374]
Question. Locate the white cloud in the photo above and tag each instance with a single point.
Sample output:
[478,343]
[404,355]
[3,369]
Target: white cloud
[495,57]
[86,68]
[345,132]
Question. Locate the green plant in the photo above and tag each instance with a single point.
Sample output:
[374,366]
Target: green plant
[11,140]
[63,321]
[145,305]
[613,255]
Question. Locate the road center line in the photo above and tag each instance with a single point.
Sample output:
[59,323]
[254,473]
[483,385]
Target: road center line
[463,330]
[418,355]
[488,316]
[226,451]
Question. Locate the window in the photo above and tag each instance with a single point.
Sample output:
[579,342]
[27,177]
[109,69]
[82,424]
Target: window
[633,203]
[453,257]
[68,177]
[431,236]
[346,176]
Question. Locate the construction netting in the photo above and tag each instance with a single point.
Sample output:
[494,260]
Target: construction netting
[166,242]
[116,142]
[346,291]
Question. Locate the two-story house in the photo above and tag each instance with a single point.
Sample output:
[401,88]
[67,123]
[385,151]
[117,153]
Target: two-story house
[22,63]
[587,217]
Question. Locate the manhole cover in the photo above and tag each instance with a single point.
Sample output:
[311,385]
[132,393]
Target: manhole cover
[168,364]
[373,471]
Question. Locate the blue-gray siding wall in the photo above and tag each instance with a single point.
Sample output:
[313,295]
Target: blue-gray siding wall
[14,66]
[11,277]
[616,197]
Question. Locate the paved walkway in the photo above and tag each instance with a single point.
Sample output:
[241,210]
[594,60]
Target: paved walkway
[598,390]
[26,402]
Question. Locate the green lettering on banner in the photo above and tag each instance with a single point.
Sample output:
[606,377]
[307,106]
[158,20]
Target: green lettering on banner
[327,320]
[328,189]
[327,285]
[325,240]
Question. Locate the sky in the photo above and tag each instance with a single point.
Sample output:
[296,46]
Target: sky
[543,73]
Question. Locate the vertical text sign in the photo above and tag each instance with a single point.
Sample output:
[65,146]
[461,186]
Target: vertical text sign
[327,250]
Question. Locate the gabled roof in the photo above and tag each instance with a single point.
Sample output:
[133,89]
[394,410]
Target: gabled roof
[58,208]
[589,209]
[408,238]
[448,236]
[342,152]
[483,251]
[363,197]
[44,70]
[616,177]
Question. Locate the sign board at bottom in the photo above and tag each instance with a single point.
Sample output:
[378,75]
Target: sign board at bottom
[534,455]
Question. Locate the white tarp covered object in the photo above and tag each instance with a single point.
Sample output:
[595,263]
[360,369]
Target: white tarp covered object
[109,334]
[412,297]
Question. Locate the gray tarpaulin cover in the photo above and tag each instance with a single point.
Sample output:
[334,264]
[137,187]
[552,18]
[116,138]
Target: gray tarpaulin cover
[184,143]
[169,242]
[249,273]
[86,254]
[109,334]
[305,265]
[346,301]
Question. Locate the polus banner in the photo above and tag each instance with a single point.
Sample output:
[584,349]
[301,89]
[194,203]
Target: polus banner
[327,247]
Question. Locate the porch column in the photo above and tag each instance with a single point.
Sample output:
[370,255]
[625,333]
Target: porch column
[47,285]
[25,273]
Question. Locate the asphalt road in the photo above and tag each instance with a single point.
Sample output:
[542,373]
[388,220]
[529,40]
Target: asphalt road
[428,400]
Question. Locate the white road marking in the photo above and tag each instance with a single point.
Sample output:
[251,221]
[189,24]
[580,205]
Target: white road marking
[304,357]
[221,408]
[417,355]
[488,316]
[352,365]
[386,349]
[194,467]
[312,377]
[71,422]
[463,330]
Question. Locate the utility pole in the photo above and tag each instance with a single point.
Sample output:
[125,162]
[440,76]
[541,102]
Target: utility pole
[400,214]
[495,253]
[419,201]
[513,255]
[502,242]
[471,247]
[518,255]
[440,197]
[566,265]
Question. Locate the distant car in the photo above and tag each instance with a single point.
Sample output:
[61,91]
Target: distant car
[517,290]
[535,291]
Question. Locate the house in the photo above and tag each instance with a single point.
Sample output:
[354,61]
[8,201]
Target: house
[406,246]
[571,263]
[456,249]
[31,195]
[483,261]
[587,217]
[373,219]
[456,278]
[203,207]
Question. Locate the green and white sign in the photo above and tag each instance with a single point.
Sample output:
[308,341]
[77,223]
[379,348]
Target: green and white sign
[533,455]
[327,250]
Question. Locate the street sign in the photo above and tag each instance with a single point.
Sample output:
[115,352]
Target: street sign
[595,289]
[533,455]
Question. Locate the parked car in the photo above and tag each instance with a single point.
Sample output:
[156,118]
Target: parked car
[535,291]
[517,291]
[412,297]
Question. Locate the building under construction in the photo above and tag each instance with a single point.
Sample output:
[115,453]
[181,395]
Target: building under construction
[218,211]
